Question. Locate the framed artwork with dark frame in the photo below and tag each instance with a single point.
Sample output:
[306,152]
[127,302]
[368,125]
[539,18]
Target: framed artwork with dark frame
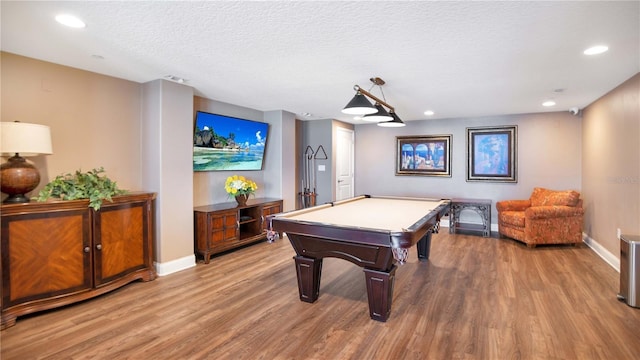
[428,155]
[492,154]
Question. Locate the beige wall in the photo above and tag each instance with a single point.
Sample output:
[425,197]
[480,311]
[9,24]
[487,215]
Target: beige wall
[611,165]
[94,119]
[97,121]
[142,135]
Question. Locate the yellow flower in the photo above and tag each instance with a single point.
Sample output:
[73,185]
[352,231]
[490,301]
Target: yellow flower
[239,185]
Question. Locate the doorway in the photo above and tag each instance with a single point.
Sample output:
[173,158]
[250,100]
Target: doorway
[345,149]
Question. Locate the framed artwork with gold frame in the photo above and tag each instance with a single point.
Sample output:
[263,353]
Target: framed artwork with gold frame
[428,155]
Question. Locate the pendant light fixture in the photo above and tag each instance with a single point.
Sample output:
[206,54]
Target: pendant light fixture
[360,105]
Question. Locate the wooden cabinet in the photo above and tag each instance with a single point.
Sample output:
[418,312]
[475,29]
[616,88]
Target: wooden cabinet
[60,252]
[225,226]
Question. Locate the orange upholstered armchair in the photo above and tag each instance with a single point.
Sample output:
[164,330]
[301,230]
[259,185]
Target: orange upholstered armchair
[547,217]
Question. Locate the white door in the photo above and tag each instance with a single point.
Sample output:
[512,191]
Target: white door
[344,164]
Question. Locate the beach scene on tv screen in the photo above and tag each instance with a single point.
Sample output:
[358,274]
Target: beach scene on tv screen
[225,143]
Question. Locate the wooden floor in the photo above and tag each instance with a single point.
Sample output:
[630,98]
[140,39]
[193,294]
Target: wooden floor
[476,298]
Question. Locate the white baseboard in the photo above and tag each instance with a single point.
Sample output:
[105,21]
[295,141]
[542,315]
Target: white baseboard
[173,266]
[607,256]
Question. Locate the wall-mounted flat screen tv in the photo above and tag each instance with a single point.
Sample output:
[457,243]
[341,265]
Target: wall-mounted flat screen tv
[226,143]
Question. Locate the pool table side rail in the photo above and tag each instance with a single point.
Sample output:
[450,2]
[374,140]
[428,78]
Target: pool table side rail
[330,231]
[430,221]
[357,234]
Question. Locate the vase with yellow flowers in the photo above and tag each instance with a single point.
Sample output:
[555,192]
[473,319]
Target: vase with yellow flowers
[240,188]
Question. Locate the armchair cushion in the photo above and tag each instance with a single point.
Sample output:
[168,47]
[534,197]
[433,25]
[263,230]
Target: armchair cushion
[551,212]
[544,197]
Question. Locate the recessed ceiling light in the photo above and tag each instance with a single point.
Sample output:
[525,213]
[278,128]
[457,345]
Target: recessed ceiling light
[429,113]
[70,21]
[595,50]
[549,103]
[306,114]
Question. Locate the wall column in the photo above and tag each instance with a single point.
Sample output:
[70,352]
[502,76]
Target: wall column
[166,148]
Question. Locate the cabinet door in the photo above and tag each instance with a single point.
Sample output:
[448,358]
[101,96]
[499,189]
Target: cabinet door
[122,240]
[45,255]
[224,227]
[270,209]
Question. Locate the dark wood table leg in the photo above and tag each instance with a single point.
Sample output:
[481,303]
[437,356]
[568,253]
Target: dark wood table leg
[380,292]
[308,271]
[424,247]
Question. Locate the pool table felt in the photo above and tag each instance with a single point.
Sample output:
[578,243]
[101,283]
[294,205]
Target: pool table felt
[372,213]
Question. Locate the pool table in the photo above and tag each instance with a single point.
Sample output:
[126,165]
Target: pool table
[373,232]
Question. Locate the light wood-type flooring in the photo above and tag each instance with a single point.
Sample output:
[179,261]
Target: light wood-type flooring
[476,298]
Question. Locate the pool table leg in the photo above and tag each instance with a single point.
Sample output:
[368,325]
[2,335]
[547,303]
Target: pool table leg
[380,292]
[424,247]
[308,271]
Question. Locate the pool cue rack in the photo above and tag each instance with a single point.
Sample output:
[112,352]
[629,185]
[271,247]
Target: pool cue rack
[309,178]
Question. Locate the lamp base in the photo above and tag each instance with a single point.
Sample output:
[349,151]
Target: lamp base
[16,199]
[18,177]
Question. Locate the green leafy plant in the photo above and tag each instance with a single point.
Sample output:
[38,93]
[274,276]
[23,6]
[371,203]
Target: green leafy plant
[82,185]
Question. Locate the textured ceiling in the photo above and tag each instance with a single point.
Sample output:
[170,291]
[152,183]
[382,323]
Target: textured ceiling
[459,59]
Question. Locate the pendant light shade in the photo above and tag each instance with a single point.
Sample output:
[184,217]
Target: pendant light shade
[381,115]
[396,122]
[359,105]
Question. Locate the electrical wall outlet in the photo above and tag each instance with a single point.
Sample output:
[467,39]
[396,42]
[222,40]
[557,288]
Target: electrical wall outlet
[618,233]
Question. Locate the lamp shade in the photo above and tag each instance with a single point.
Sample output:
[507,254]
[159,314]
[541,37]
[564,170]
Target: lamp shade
[381,115]
[25,139]
[396,122]
[359,105]
[17,176]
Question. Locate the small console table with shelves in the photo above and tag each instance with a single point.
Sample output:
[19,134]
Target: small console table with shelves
[225,226]
[480,206]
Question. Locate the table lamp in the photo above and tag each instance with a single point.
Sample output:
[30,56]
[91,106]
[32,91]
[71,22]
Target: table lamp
[17,176]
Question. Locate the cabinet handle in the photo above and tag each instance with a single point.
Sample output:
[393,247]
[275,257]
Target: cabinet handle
[238,224]
[99,246]
[86,249]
